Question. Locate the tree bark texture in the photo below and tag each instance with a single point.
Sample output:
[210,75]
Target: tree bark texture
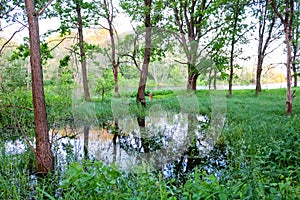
[192,79]
[289,98]
[44,156]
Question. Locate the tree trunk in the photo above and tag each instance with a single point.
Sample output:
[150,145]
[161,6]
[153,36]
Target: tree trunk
[233,42]
[230,80]
[82,54]
[115,63]
[215,79]
[192,78]
[288,38]
[143,75]
[209,79]
[287,21]
[295,73]
[258,75]
[44,156]
[116,72]
[295,45]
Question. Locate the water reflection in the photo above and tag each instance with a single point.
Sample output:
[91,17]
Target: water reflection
[165,141]
[172,143]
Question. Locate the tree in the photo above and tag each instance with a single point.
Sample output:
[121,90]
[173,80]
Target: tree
[237,9]
[296,43]
[266,35]
[105,84]
[77,14]
[44,156]
[82,51]
[286,17]
[109,15]
[150,17]
[144,73]
[197,29]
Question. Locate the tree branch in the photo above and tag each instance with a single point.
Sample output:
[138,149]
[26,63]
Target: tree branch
[3,46]
[134,60]
[45,7]
[184,63]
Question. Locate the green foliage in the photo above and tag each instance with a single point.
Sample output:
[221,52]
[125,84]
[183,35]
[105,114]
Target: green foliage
[15,108]
[66,11]
[94,179]
[22,51]
[13,75]
[105,83]
[65,77]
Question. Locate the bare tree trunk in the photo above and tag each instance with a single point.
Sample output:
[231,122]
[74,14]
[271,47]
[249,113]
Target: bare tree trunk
[233,41]
[82,54]
[215,79]
[295,73]
[209,79]
[116,72]
[28,75]
[258,75]
[192,78]
[289,98]
[230,81]
[44,156]
[143,75]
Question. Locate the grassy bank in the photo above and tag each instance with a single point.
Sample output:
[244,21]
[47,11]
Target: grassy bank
[262,149]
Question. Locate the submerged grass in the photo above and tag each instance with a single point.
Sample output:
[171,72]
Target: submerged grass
[263,156]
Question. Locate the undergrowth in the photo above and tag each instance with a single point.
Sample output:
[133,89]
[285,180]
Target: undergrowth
[262,144]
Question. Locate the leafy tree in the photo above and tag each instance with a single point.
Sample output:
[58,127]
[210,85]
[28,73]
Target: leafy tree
[109,13]
[77,14]
[235,31]
[197,29]
[150,14]
[267,34]
[105,83]
[285,11]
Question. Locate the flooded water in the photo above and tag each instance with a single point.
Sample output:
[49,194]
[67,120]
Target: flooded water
[171,143]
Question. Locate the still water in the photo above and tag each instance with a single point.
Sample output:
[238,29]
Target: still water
[171,143]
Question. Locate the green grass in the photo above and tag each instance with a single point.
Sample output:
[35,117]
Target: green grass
[262,145]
